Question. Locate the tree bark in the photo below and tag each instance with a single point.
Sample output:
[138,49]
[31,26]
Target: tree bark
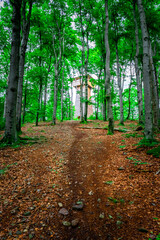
[25,32]
[119,86]
[139,84]
[55,96]
[10,135]
[154,87]
[107,76]
[24,104]
[86,82]
[40,82]
[62,89]
[148,131]
[129,94]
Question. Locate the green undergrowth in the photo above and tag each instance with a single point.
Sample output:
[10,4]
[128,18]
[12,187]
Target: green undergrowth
[147,143]
[155,152]
[23,141]
[134,135]
[83,122]
[136,162]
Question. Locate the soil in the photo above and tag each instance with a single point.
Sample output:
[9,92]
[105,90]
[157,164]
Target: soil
[113,183]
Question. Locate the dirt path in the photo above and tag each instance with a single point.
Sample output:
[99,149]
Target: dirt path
[42,182]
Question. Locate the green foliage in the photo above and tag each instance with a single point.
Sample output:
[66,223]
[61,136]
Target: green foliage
[122,146]
[155,152]
[109,182]
[128,135]
[136,162]
[147,143]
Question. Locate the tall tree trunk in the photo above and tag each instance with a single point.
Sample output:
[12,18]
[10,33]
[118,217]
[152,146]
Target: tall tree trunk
[25,32]
[86,82]
[39,101]
[97,106]
[138,80]
[62,89]
[40,82]
[71,101]
[81,99]
[148,131]
[129,94]
[107,77]
[45,99]
[24,103]
[55,96]
[154,87]
[119,86]
[10,134]
[45,91]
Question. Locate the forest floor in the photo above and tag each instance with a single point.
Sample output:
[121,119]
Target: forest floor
[75,182]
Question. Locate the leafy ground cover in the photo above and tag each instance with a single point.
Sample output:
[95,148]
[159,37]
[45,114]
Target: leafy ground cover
[77,182]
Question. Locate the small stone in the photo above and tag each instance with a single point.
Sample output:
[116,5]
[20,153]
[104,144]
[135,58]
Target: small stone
[60,205]
[64,211]
[90,193]
[78,206]
[99,200]
[101,216]
[152,237]
[66,224]
[31,208]
[75,222]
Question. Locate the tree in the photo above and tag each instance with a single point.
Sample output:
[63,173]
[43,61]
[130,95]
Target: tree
[139,83]
[107,75]
[148,131]
[25,34]
[10,135]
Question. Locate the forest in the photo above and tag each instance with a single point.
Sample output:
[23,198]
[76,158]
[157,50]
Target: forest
[117,41]
[80,119]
